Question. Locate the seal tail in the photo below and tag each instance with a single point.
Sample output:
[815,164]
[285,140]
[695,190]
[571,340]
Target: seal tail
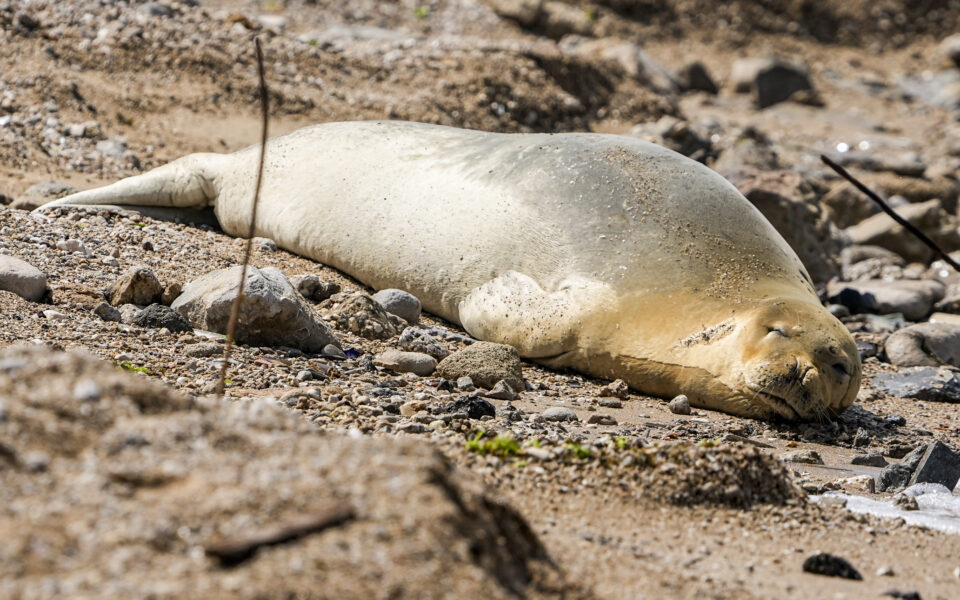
[188,182]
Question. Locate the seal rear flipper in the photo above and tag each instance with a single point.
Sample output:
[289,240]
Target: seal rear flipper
[513,309]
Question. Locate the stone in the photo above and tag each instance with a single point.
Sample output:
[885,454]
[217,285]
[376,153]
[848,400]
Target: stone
[271,314]
[906,164]
[360,314]
[900,595]
[770,80]
[905,502]
[896,477]
[204,350]
[924,345]
[848,205]
[171,292]
[129,313]
[930,217]
[870,262]
[915,189]
[475,407]
[137,285]
[42,193]
[601,419]
[559,414]
[417,340]
[869,460]
[934,384]
[694,76]
[950,304]
[264,244]
[465,384]
[630,56]
[792,206]
[677,135]
[806,457]
[158,316]
[680,405]
[615,389]
[22,278]
[913,299]
[399,361]
[313,288]
[502,391]
[939,464]
[751,151]
[107,312]
[830,565]
[485,363]
[400,303]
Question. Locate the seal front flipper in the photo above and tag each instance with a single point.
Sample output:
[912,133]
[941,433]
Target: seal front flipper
[514,309]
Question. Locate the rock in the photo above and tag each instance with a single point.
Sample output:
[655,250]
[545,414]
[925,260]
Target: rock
[907,164]
[204,350]
[878,262]
[171,292]
[950,305]
[502,391]
[106,312]
[822,563]
[474,407]
[929,217]
[752,151]
[465,384]
[398,302]
[610,402]
[629,56]
[406,362]
[838,310]
[896,477]
[271,314]
[791,205]
[559,414]
[694,77]
[158,316]
[676,135]
[137,285]
[129,313]
[939,464]
[916,189]
[526,13]
[950,48]
[599,419]
[924,345]
[264,244]
[806,457]
[680,405]
[358,313]
[866,349]
[22,278]
[913,299]
[908,595]
[869,460]
[615,389]
[939,318]
[935,384]
[485,363]
[42,193]
[771,80]
[417,340]
[848,205]
[333,351]
[313,288]
[905,502]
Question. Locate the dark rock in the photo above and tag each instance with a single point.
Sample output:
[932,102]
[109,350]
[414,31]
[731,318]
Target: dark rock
[839,311]
[822,563]
[939,464]
[474,406]
[695,77]
[771,80]
[909,595]
[158,316]
[848,206]
[680,405]
[869,460]
[896,477]
[936,384]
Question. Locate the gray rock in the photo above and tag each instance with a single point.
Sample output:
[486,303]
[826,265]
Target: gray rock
[869,460]
[866,349]
[694,77]
[751,150]
[485,363]
[630,56]
[313,288]
[129,313]
[907,164]
[264,244]
[107,312]
[950,305]
[935,384]
[770,80]
[615,389]
[878,259]
[417,340]
[930,217]
[333,351]
[559,414]
[939,464]
[22,278]
[896,477]
[838,310]
[502,391]
[204,350]
[358,313]
[806,457]
[398,302]
[822,563]
[913,299]
[465,384]
[406,362]
[905,502]
[924,345]
[158,316]
[137,285]
[271,314]
[600,419]
[680,405]
[42,193]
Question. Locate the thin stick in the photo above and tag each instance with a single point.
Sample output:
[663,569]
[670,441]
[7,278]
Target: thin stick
[886,208]
[248,247]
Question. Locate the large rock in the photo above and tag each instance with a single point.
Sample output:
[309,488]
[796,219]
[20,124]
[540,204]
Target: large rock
[137,285]
[42,193]
[770,80]
[792,207]
[936,384]
[485,363]
[913,299]
[272,312]
[22,278]
[924,345]
[929,217]
[132,490]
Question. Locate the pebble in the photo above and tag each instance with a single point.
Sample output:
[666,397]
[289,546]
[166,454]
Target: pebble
[465,384]
[680,405]
[22,278]
[502,391]
[398,302]
[107,312]
[830,565]
[204,350]
[601,419]
[559,414]
[399,361]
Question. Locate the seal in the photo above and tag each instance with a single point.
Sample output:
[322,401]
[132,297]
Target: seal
[601,253]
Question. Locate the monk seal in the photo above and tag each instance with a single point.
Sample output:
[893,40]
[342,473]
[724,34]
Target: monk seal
[602,253]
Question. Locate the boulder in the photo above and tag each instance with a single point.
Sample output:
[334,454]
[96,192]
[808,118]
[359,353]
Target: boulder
[913,299]
[929,217]
[22,278]
[272,312]
[924,345]
[485,363]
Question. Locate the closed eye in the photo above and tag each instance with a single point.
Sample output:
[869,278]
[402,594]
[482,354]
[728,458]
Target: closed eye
[777,331]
